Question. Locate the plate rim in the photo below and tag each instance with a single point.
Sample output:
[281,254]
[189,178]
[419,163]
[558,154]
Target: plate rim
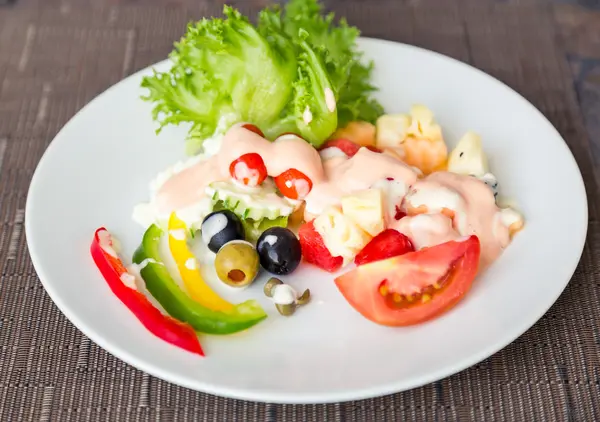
[298,398]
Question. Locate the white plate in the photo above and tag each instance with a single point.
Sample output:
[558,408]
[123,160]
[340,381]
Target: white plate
[100,164]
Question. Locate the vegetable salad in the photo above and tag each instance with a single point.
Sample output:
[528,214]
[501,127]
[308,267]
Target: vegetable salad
[294,163]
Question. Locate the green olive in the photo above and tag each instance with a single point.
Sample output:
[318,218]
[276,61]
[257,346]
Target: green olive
[237,263]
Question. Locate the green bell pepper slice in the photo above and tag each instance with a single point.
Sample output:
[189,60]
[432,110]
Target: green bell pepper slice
[178,304]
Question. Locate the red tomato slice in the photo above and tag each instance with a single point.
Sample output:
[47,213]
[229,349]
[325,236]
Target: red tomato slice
[385,245]
[293,184]
[249,169]
[399,215]
[414,287]
[253,128]
[348,147]
[374,149]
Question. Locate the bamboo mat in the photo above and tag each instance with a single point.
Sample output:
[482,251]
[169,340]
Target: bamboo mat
[56,55]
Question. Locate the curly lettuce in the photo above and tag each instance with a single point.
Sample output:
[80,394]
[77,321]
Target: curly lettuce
[253,228]
[222,69]
[348,75]
[274,75]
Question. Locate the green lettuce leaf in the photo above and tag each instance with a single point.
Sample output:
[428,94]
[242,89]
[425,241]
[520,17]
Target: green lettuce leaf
[274,75]
[348,75]
[254,228]
[354,102]
[223,67]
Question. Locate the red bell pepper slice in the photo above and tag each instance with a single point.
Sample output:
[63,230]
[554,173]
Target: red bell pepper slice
[163,326]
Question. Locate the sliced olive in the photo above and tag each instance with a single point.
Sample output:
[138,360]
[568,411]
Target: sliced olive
[220,227]
[237,263]
[279,250]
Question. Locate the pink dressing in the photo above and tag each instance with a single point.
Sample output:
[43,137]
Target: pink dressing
[473,204]
[426,229]
[347,175]
[188,186]
[332,179]
[287,152]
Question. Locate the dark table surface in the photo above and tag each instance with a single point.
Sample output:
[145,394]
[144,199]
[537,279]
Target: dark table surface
[56,55]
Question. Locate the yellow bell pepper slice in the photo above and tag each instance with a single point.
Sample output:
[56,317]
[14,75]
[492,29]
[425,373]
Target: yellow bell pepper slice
[188,268]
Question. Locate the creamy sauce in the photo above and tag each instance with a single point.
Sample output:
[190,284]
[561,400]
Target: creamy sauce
[331,179]
[473,205]
[426,229]
[106,243]
[214,224]
[191,264]
[128,280]
[283,294]
[307,115]
[136,268]
[189,185]
[393,193]
[178,234]
[271,239]
[331,152]
[510,217]
[330,99]
[346,175]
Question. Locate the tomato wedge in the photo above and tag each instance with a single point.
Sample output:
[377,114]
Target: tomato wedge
[387,244]
[414,287]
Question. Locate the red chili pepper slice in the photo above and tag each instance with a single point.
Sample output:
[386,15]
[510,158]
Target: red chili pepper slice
[293,184]
[249,169]
[163,326]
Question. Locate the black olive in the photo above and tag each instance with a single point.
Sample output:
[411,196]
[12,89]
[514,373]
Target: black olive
[279,250]
[220,227]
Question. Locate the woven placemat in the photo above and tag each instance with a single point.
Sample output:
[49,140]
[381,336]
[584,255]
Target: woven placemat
[56,55]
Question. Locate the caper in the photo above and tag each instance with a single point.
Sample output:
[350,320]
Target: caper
[237,263]
[286,310]
[268,289]
[284,296]
[304,298]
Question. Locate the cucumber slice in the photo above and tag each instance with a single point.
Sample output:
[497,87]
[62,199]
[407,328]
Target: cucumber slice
[251,203]
[253,229]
